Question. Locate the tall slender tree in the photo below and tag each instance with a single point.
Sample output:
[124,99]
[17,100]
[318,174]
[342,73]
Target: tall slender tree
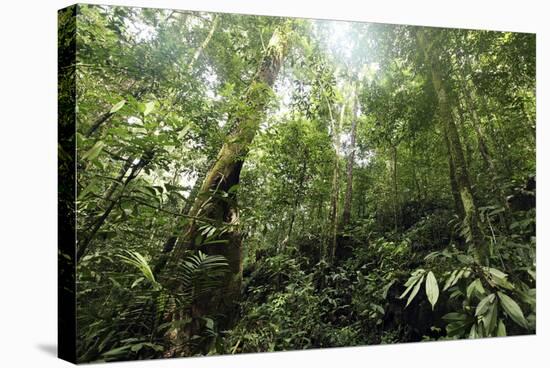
[346,216]
[429,47]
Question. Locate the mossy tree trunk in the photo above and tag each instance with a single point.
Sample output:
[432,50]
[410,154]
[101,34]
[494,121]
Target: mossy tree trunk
[216,201]
[110,201]
[469,97]
[473,233]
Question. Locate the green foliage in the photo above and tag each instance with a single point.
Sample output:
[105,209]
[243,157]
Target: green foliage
[132,325]
[432,289]
[161,92]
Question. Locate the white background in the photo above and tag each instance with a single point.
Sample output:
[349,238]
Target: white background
[28,172]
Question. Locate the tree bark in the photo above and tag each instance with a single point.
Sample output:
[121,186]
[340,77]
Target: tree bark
[346,216]
[84,244]
[470,98]
[472,231]
[204,44]
[395,191]
[144,160]
[222,176]
[298,195]
[337,127]
[452,178]
[172,239]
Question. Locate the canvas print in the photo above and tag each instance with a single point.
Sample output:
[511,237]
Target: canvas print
[235,184]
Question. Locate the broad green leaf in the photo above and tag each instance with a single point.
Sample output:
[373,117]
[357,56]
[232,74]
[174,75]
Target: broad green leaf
[496,273]
[155,347]
[149,107]
[490,318]
[387,288]
[85,191]
[483,305]
[529,297]
[234,188]
[432,289]
[465,259]
[457,328]
[415,276]
[473,333]
[450,280]
[135,283]
[414,291]
[117,351]
[499,278]
[94,151]
[410,284]
[504,283]
[475,286]
[501,329]
[457,277]
[117,106]
[198,239]
[183,132]
[209,323]
[512,309]
[136,347]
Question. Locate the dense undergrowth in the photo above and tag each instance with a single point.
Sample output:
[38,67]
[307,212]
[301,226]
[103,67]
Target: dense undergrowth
[292,300]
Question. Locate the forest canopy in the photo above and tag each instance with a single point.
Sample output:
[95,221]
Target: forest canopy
[253,183]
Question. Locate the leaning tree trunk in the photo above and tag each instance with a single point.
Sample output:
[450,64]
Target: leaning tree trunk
[173,237]
[346,216]
[222,176]
[473,232]
[84,244]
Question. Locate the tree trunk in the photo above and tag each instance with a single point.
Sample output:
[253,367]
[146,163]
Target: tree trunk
[221,177]
[172,238]
[335,186]
[470,98]
[204,43]
[84,244]
[472,231]
[395,191]
[346,217]
[146,157]
[298,194]
[452,178]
